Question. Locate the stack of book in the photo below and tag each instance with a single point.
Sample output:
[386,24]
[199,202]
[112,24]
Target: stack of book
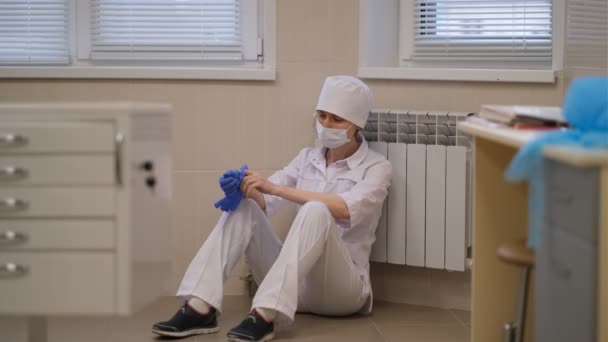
[521,117]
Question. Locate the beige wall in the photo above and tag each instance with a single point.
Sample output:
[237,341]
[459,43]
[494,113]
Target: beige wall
[223,124]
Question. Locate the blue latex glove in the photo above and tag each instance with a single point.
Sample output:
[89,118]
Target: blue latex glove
[230,183]
[586,109]
[230,202]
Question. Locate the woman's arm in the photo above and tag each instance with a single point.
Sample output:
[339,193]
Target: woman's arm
[257,196]
[254,185]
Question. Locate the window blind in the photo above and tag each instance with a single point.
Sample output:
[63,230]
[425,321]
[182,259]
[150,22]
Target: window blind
[34,32]
[475,30]
[166,30]
[587,34]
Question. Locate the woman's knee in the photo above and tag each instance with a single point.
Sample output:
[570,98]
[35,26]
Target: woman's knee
[247,213]
[314,216]
[247,206]
[316,209]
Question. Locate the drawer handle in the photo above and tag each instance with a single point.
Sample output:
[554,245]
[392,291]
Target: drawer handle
[13,172]
[118,141]
[10,237]
[12,204]
[12,140]
[13,270]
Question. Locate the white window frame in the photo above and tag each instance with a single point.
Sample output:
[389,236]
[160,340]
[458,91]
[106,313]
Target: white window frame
[394,31]
[82,67]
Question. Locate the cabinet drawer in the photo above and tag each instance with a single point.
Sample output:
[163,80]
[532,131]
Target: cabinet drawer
[566,286]
[56,136]
[57,169]
[57,202]
[571,198]
[57,283]
[56,234]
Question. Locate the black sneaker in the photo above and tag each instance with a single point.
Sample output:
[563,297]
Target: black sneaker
[186,322]
[252,328]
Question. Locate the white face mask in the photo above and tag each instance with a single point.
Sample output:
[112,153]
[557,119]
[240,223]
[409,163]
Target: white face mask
[332,137]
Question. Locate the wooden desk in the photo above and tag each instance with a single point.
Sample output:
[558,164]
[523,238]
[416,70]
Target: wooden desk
[500,214]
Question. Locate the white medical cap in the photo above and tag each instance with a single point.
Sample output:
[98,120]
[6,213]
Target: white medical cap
[346,97]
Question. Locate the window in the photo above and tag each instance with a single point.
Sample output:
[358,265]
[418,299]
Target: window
[170,30]
[481,30]
[482,39]
[586,42]
[226,39]
[34,32]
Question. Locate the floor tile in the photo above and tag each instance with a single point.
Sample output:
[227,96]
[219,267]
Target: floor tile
[462,316]
[316,328]
[411,314]
[390,322]
[424,333]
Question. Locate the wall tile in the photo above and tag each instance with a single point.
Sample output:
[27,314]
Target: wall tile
[403,284]
[216,122]
[187,103]
[303,27]
[184,218]
[254,127]
[452,289]
[343,20]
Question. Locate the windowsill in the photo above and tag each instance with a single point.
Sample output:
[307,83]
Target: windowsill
[451,74]
[116,72]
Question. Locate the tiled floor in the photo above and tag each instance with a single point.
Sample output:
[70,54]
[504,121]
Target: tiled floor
[389,322]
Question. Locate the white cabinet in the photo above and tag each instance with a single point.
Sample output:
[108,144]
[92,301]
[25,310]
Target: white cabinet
[84,207]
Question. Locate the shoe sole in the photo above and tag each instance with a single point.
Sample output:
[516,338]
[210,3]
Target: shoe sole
[265,338]
[191,332]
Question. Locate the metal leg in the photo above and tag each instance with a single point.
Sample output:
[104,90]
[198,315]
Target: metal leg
[522,300]
[508,334]
[514,331]
[37,329]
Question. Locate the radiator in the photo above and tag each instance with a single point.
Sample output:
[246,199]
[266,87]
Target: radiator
[426,219]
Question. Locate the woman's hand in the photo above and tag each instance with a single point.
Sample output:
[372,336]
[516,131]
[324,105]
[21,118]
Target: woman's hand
[254,181]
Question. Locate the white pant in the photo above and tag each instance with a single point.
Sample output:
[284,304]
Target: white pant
[311,272]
